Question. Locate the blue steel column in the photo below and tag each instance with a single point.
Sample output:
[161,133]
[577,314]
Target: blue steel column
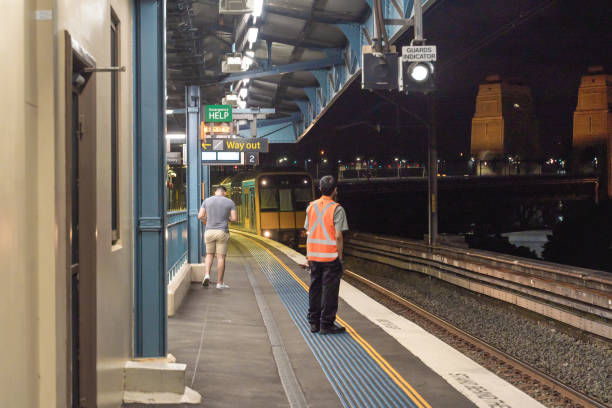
[194,176]
[150,283]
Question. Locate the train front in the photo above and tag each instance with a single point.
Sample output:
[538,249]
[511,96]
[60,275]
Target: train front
[283,199]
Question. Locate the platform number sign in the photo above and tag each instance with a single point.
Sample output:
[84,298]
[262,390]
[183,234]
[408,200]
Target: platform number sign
[251,159]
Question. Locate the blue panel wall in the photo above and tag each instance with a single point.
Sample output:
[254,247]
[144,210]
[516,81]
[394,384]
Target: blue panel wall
[177,241]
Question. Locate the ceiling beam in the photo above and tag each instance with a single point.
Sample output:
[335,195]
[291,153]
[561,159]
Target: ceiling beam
[281,69]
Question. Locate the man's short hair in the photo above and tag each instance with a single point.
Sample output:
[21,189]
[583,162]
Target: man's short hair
[327,184]
[222,189]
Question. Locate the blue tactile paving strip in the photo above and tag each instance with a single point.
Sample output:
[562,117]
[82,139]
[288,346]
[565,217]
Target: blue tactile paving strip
[358,379]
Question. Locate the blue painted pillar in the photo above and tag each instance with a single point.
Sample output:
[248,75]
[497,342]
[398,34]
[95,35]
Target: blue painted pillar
[194,176]
[150,283]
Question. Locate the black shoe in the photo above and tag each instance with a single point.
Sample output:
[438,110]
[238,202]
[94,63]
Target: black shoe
[314,327]
[332,330]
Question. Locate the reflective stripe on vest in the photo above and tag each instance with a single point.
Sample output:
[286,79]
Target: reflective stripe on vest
[321,242]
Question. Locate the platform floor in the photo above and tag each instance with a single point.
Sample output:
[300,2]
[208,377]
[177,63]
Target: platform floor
[236,341]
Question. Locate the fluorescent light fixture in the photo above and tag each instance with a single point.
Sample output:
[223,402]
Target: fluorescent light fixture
[252,35]
[257,8]
[246,63]
[246,81]
[234,60]
[242,104]
[243,92]
[175,136]
[169,111]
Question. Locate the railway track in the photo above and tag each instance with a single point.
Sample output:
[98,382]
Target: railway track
[526,377]
[577,297]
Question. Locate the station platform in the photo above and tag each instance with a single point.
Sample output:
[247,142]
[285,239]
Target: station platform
[250,346]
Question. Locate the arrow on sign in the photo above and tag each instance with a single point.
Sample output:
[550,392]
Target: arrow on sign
[205,146]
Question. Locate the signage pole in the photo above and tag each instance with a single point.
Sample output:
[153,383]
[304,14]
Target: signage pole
[432,172]
[192,103]
[254,126]
[418,21]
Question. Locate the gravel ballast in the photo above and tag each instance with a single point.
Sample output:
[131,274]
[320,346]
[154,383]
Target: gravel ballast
[581,361]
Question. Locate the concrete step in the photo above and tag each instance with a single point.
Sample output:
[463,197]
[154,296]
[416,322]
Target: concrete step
[157,376]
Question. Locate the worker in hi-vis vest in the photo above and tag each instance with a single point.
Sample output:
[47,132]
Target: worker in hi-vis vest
[325,222]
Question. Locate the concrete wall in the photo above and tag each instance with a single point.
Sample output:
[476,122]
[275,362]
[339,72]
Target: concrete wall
[33,291]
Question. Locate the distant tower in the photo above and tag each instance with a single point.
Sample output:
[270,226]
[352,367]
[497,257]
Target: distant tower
[504,124]
[593,126]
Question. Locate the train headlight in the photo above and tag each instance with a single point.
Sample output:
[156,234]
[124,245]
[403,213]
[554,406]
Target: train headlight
[267,234]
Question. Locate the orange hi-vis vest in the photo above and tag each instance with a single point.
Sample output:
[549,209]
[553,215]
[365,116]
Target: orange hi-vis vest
[321,242]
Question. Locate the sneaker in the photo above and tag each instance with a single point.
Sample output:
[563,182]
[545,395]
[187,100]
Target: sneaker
[332,330]
[222,286]
[314,328]
[206,281]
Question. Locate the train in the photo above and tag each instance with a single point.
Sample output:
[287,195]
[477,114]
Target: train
[272,203]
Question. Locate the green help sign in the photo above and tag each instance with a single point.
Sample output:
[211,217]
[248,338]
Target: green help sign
[218,113]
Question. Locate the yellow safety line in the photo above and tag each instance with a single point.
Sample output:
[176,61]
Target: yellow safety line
[384,364]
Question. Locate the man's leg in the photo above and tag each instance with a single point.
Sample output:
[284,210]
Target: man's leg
[314,293]
[220,267]
[210,254]
[331,288]
[207,267]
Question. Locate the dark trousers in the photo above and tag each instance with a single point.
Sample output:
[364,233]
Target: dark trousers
[323,294]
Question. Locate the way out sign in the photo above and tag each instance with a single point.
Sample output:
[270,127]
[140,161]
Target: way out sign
[218,113]
[421,53]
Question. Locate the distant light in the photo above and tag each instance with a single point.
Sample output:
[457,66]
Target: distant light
[264,182]
[175,136]
[305,181]
[324,160]
[396,159]
[339,161]
[419,73]
[252,35]
[169,111]
[516,105]
[358,159]
[257,8]
[309,160]
[322,152]
[267,234]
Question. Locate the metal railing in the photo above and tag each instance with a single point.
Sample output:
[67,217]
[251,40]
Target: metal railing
[177,241]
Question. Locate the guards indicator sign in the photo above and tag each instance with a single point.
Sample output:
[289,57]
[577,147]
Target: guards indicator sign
[421,53]
[236,145]
[218,113]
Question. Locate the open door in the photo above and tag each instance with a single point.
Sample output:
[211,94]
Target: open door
[81,223]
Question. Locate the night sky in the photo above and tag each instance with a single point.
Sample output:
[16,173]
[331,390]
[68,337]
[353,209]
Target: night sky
[547,44]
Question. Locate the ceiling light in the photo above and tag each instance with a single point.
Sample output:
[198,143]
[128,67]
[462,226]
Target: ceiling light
[246,63]
[257,8]
[175,136]
[250,54]
[243,93]
[242,104]
[252,35]
[246,81]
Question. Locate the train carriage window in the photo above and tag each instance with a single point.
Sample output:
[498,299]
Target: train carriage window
[303,197]
[269,199]
[286,203]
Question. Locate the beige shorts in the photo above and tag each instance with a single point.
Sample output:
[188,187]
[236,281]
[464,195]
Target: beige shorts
[216,241]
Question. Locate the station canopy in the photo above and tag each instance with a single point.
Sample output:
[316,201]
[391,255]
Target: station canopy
[294,38]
